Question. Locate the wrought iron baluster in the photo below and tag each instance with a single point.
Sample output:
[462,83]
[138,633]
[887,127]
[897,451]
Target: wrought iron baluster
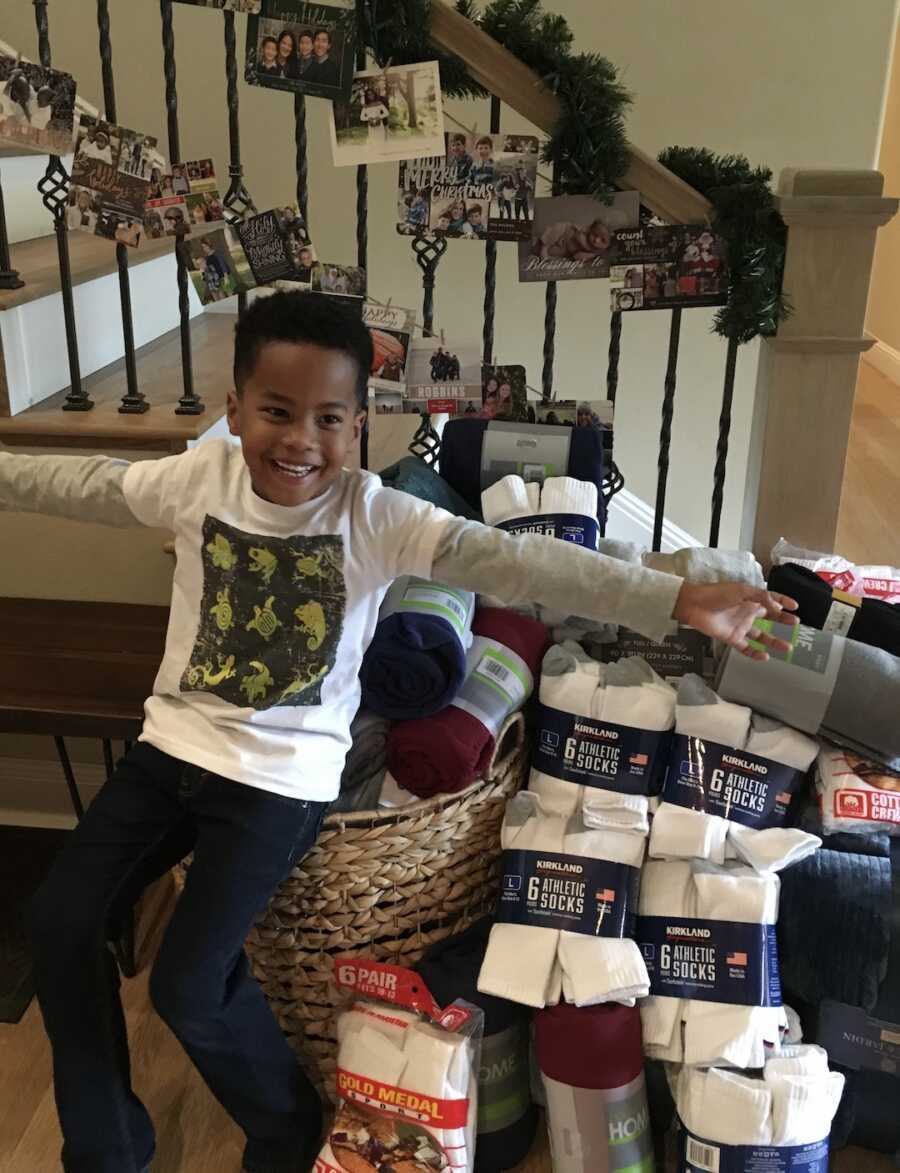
[428,257]
[665,433]
[300,140]
[549,332]
[722,446]
[615,343]
[54,189]
[133,401]
[238,201]
[189,403]
[9,277]
[490,264]
[362,246]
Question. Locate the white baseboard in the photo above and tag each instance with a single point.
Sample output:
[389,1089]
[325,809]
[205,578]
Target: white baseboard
[631,520]
[885,360]
[33,792]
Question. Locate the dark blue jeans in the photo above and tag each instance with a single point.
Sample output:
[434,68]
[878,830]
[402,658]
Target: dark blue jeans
[153,811]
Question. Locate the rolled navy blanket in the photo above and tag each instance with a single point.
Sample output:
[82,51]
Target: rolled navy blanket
[868,621]
[416,661]
[507,1117]
[444,753]
[845,692]
[461,451]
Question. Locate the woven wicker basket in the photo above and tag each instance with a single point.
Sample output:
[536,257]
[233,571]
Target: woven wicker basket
[381,884]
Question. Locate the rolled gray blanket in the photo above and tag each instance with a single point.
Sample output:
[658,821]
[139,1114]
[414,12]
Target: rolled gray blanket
[365,765]
[836,688]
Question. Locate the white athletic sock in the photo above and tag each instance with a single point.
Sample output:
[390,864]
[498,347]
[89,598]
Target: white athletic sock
[667,889]
[438,1064]
[507,500]
[724,1107]
[697,564]
[803,1106]
[723,1033]
[680,833]
[602,969]
[520,961]
[569,683]
[775,848]
[568,495]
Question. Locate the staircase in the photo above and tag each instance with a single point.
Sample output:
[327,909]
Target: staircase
[34,372]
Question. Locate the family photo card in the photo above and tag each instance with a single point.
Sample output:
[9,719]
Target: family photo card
[482,188]
[304,48]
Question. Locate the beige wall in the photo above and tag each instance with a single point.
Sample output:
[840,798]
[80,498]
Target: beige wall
[883,318]
[796,84]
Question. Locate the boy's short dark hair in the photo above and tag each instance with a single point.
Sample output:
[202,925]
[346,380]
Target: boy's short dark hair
[327,33]
[458,138]
[485,141]
[302,317]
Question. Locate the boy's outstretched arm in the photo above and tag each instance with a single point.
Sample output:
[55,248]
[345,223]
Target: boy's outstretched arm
[83,488]
[530,568]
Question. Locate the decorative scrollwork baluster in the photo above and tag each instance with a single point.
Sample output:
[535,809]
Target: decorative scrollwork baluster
[189,403]
[54,189]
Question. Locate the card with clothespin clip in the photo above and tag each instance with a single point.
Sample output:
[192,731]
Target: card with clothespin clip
[391,329]
[394,112]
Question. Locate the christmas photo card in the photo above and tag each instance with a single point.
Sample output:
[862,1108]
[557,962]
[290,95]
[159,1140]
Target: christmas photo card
[481,189]
[278,248]
[444,376]
[217,264]
[226,5]
[571,236]
[391,330]
[662,266]
[390,115]
[110,180]
[304,48]
[504,394]
[183,198]
[37,107]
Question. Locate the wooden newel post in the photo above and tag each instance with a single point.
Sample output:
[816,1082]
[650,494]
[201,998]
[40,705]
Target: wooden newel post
[807,373]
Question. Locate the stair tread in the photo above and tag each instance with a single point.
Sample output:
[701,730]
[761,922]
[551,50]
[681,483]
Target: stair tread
[37,261]
[159,378]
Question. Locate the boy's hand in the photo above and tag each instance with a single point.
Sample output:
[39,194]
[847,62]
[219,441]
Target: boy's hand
[728,612]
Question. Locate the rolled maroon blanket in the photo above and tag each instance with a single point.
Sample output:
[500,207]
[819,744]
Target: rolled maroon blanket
[444,753]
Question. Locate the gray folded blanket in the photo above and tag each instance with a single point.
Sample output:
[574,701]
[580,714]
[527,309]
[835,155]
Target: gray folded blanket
[365,766]
[836,688]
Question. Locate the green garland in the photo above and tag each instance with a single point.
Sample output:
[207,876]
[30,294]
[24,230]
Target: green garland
[745,216]
[589,150]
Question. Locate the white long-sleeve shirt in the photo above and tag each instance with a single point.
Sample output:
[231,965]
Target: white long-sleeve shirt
[274,606]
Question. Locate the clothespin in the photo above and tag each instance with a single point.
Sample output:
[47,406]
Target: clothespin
[389,300]
[443,340]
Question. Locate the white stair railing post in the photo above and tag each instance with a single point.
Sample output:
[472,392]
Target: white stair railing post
[807,373]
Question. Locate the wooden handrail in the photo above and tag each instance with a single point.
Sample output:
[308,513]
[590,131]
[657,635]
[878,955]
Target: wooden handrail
[512,82]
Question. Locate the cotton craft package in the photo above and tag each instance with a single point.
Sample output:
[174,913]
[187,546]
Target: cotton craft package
[742,787]
[856,796]
[406,1074]
[733,1122]
[581,883]
[692,909]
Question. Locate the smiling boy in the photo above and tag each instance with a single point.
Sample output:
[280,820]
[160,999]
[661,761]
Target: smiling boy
[283,559]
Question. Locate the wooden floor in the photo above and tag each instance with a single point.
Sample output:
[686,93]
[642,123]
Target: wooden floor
[869,521]
[194,1135]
